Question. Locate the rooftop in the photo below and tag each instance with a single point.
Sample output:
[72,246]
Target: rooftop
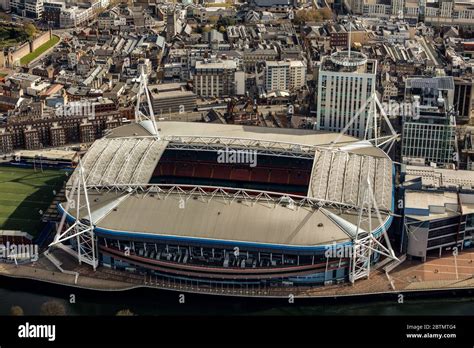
[355,62]
[48,154]
[434,205]
[220,219]
[220,64]
[440,178]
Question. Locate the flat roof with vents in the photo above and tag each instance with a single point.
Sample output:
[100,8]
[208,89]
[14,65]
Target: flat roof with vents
[440,178]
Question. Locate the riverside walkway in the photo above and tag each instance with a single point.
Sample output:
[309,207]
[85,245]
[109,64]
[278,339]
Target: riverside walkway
[445,273]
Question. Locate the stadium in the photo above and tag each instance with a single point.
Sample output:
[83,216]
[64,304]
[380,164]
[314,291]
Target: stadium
[160,201]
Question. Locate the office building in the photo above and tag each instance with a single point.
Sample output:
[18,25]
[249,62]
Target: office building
[346,81]
[429,132]
[439,211]
[215,78]
[284,75]
[171,98]
[464,99]
[52,13]
[27,8]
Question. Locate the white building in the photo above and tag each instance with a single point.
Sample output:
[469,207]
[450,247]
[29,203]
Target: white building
[446,8]
[74,16]
[357,6]
[345,84]
[240,83]
[26,8]
[110,19]
[377,10]
[297,74]
[215,78]
[34,8]
[398,7]
[284,75]
[439,12]
[5,5]
[72,60]
[277,76]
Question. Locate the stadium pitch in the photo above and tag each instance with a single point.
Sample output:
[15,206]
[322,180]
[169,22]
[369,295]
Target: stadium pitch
[25,194]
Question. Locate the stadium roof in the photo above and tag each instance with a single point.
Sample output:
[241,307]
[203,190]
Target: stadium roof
[338,176]
[119,168]
[128,156]
[217,219]
[118,161]
[169,128]
[255,135]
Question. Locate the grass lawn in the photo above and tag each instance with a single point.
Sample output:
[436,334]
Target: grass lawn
[40,50]
[23,193]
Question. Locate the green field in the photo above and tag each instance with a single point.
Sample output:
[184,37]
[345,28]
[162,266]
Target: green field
[40,50]
[23,193]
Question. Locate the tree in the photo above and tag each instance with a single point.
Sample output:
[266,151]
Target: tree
[52,308]
[213,19]
[16,311]
[125,313]
[312,15]
[326,13]
[30,29]
[226,21]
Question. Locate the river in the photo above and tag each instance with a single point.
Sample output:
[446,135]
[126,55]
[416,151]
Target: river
[30,295]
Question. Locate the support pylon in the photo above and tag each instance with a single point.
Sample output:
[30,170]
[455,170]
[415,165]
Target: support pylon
[140,116]
[365,245]
[83,228]
[372,126]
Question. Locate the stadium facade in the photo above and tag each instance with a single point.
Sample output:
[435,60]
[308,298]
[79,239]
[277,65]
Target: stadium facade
[164,205]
